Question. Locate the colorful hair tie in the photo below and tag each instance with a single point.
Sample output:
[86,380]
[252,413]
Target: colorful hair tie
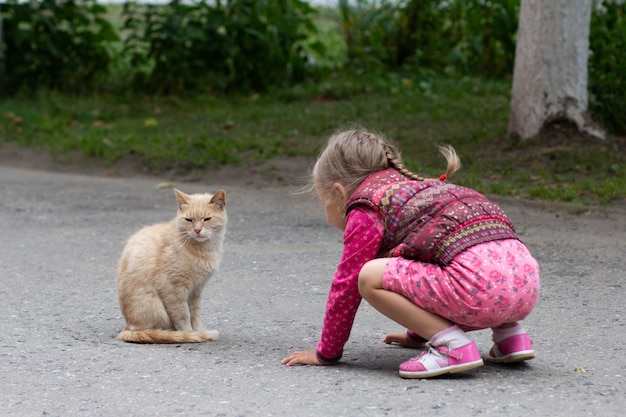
[443,177]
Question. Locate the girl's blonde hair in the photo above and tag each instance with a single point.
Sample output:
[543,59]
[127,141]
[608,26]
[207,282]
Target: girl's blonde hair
[352,155]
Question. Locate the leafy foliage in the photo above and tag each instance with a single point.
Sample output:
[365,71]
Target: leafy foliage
[55,45]
[470,37]
[484,35]
[607,66]
[237,44]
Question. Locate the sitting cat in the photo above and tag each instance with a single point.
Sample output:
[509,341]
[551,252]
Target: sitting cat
[164,268]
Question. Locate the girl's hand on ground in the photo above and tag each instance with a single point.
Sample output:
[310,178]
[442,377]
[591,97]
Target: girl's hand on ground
[403,340]
[304,357]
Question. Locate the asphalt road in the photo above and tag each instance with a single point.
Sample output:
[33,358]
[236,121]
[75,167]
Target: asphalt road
[61,236]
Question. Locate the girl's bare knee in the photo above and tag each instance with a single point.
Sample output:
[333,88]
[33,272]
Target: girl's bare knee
[364,284]
[371,276]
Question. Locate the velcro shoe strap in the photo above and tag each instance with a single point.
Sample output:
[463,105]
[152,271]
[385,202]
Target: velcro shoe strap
[447,352]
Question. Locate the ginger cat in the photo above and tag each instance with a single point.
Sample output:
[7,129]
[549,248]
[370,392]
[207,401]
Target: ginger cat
[164,268]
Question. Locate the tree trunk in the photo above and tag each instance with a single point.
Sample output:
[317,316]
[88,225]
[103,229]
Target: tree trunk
[550,73]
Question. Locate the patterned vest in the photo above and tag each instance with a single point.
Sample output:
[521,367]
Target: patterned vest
[430,221]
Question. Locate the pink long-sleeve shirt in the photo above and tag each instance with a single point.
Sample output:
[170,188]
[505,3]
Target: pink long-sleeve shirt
[362,239]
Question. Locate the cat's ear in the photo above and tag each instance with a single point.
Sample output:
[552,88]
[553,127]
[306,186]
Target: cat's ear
[219,199]
[182,198]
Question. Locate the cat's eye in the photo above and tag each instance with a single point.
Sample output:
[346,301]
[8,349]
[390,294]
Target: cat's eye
[206,219]
[189,220]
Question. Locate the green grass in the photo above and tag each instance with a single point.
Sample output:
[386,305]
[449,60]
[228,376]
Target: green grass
[209,132]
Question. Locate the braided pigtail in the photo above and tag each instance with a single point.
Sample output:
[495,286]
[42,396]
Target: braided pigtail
[396,164]
[452,159]
[394,160]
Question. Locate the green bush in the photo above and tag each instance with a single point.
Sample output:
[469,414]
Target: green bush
[366,26]
[233,45]
[176,47]
[607,66]
[484,36]
[418,37]
[55,45]
[469,37]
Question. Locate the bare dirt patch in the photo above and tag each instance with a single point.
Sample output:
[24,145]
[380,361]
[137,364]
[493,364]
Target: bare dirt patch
[276,171]
[560,137]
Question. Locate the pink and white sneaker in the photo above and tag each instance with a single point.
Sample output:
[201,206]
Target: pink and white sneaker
[449,351]
[515,348]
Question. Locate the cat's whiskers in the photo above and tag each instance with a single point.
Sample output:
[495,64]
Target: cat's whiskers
[185,239]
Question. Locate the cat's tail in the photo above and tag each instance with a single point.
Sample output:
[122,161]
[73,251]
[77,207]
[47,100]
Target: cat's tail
[166,336]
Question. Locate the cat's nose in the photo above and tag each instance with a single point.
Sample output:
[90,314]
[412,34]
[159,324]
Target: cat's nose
[197,231]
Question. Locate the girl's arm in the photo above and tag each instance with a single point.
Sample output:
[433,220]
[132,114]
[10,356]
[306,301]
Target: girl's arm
[362,241]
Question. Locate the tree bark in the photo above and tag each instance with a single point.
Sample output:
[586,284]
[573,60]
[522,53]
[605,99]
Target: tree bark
[550,72]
